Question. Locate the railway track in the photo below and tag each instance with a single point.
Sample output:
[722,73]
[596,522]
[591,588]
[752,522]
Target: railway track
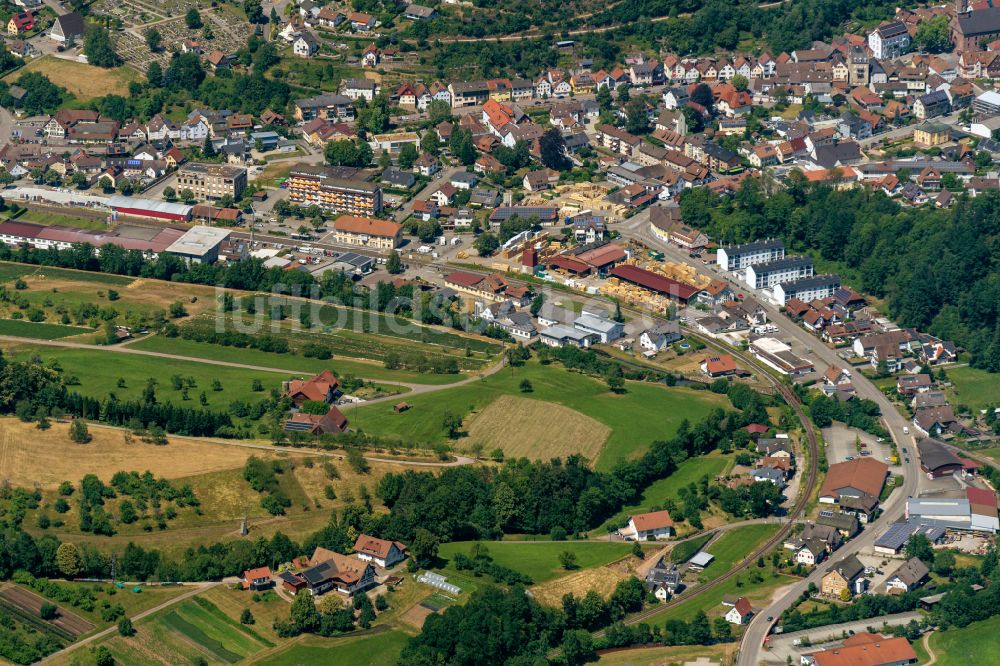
[797,509]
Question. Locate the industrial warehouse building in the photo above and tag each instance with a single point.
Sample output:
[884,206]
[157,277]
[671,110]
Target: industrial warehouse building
[779,356]
[975,511]
[200,244]
[160,210]
[148,240]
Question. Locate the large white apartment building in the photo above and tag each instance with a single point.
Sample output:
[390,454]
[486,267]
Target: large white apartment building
[789,269]
[738,257]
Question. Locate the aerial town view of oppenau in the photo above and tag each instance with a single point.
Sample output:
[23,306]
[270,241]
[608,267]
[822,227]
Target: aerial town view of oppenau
[500,333]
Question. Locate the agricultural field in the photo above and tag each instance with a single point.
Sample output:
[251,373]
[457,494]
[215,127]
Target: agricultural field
[39,331]
[971,386]
[536,426]
[30,458]
[97,373]
[540,560]
[293,362]
[195,629]
[11,270]
[357,334]
[657,656]
[25,604]
[644,413]
[951,647]
[375,648]
[734,545]
[84,81]
[83,616]
[60,297]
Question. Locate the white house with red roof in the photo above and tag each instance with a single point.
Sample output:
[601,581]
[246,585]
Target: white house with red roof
[740,613]
[379,551]
[646,526]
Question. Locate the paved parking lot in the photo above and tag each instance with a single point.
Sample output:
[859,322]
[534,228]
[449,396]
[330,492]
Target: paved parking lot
[841,444]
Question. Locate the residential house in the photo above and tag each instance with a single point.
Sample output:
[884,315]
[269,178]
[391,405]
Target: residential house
[648,526]
[323,387]
[931,105]
[380,551]
[740,613]
[660,336]
[846,576]
[907,577]
[332,571]
[305,46]
[67,28]
[722,365]
[811,552]
[890,40]
[257,579]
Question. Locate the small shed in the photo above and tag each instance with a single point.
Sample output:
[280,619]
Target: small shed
[401,407]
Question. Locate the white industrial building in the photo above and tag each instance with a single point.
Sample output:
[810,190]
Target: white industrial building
[976,512]
[778,355]
[200,244]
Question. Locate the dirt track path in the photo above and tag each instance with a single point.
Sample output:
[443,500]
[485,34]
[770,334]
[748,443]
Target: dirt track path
[414,388]
[930,652]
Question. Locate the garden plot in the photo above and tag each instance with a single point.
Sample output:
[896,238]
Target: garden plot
[66,623]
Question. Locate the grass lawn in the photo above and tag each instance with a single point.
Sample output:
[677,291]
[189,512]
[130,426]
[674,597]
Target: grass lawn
[99,371]
[39,331]
[644,413]
[952,646]
[734,545]
[47,218]
[711,601]
[11,270]
[689,471]
[973,387]
[84,81]
[376,649]
[293,362]
[540,560]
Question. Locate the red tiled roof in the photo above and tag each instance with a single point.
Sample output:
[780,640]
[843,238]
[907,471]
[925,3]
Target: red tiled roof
[865,474]
[367,225]
[652,521]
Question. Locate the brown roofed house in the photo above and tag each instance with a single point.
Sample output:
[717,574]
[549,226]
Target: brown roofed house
[380,551]
[324,387]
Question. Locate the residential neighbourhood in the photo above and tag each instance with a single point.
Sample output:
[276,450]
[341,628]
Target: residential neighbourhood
[470,332]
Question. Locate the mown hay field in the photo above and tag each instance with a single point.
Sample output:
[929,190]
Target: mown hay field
[536,430]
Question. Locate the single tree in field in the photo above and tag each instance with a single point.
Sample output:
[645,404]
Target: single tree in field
[78,431]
